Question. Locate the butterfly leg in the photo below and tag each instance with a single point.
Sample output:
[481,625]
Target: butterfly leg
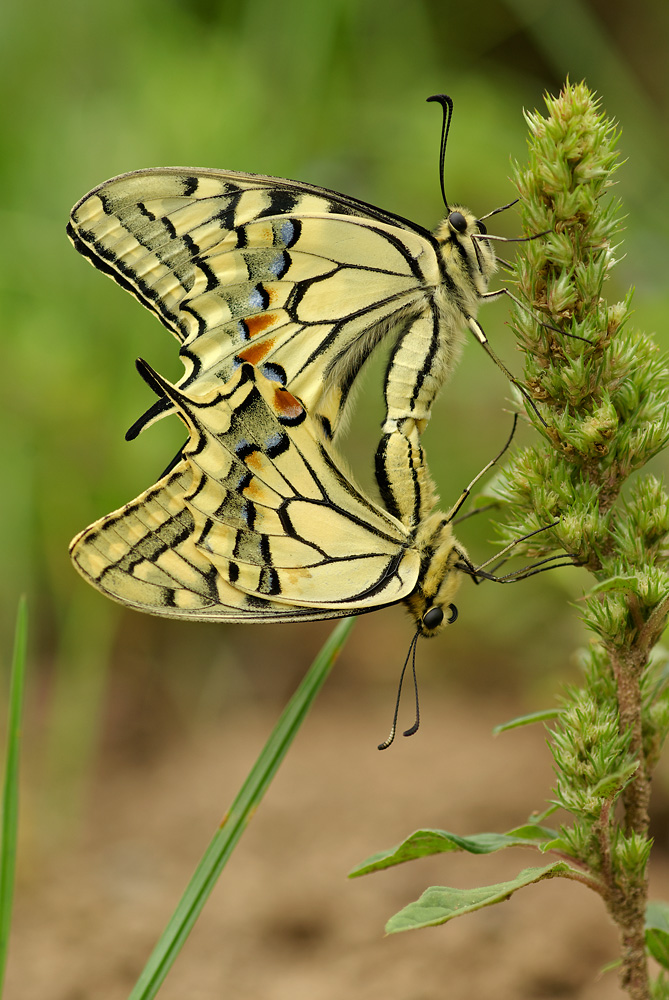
[479,333]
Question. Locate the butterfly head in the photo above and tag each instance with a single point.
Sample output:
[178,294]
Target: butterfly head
[463,245]
[431,603]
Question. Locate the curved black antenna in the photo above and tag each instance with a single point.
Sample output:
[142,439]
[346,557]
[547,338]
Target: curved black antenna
[414,729]
[408,732]
[447,108]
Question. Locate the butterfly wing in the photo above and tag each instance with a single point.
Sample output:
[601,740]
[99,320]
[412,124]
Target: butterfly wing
[300,281]
[258,521]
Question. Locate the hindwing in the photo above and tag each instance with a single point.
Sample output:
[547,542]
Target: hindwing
[258,520]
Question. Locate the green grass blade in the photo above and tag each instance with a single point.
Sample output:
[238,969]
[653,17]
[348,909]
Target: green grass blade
[10,792]
[235,822]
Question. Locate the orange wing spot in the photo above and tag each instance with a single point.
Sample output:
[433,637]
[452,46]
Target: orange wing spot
[286,405]
[254,461]
[256,324]
[257,352]
[298,575]
[255,491]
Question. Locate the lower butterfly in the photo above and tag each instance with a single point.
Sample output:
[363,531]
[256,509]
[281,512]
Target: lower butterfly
[260,521]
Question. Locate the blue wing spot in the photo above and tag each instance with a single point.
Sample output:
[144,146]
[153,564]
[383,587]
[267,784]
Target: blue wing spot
[276,444]
[275,373]
[248,514]
[289,232]
[259,299]
[280,265]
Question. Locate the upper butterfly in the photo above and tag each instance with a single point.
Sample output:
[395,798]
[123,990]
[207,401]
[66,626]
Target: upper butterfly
[301,284]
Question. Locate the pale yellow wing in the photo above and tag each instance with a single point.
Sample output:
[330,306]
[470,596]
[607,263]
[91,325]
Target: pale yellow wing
[300,281]
[258,521]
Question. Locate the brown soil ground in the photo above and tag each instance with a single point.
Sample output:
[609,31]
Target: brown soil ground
[284,922]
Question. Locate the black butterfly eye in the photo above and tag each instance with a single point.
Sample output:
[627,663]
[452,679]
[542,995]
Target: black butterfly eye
[458,222]
[482,227]
[433,618]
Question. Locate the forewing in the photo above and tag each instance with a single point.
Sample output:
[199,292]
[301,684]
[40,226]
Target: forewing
[296,279]
[258,521]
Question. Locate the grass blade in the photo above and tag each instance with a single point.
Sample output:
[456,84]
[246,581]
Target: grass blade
[236,820]
[10,792]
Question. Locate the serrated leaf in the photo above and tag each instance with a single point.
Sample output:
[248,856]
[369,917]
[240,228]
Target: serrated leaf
[545,715]
[422,843]
[657,932]
[438,904]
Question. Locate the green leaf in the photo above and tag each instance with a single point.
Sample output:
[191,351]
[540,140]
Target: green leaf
[236,820]
[617,583]
[438,904]
[425,842]
[657,932]
[10,793]
[546,715]
[557,845]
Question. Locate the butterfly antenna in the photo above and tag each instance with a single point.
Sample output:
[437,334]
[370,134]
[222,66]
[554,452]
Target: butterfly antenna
[414,729]
[409,732]
[447,108]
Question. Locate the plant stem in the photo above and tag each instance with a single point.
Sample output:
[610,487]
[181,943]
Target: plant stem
[636,796]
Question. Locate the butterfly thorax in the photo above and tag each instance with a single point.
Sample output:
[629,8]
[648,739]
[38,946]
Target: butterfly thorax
[440,577]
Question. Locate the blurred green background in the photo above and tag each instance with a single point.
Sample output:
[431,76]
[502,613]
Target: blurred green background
[332,93]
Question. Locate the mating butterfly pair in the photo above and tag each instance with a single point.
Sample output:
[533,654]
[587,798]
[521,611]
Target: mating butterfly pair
[278,291]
